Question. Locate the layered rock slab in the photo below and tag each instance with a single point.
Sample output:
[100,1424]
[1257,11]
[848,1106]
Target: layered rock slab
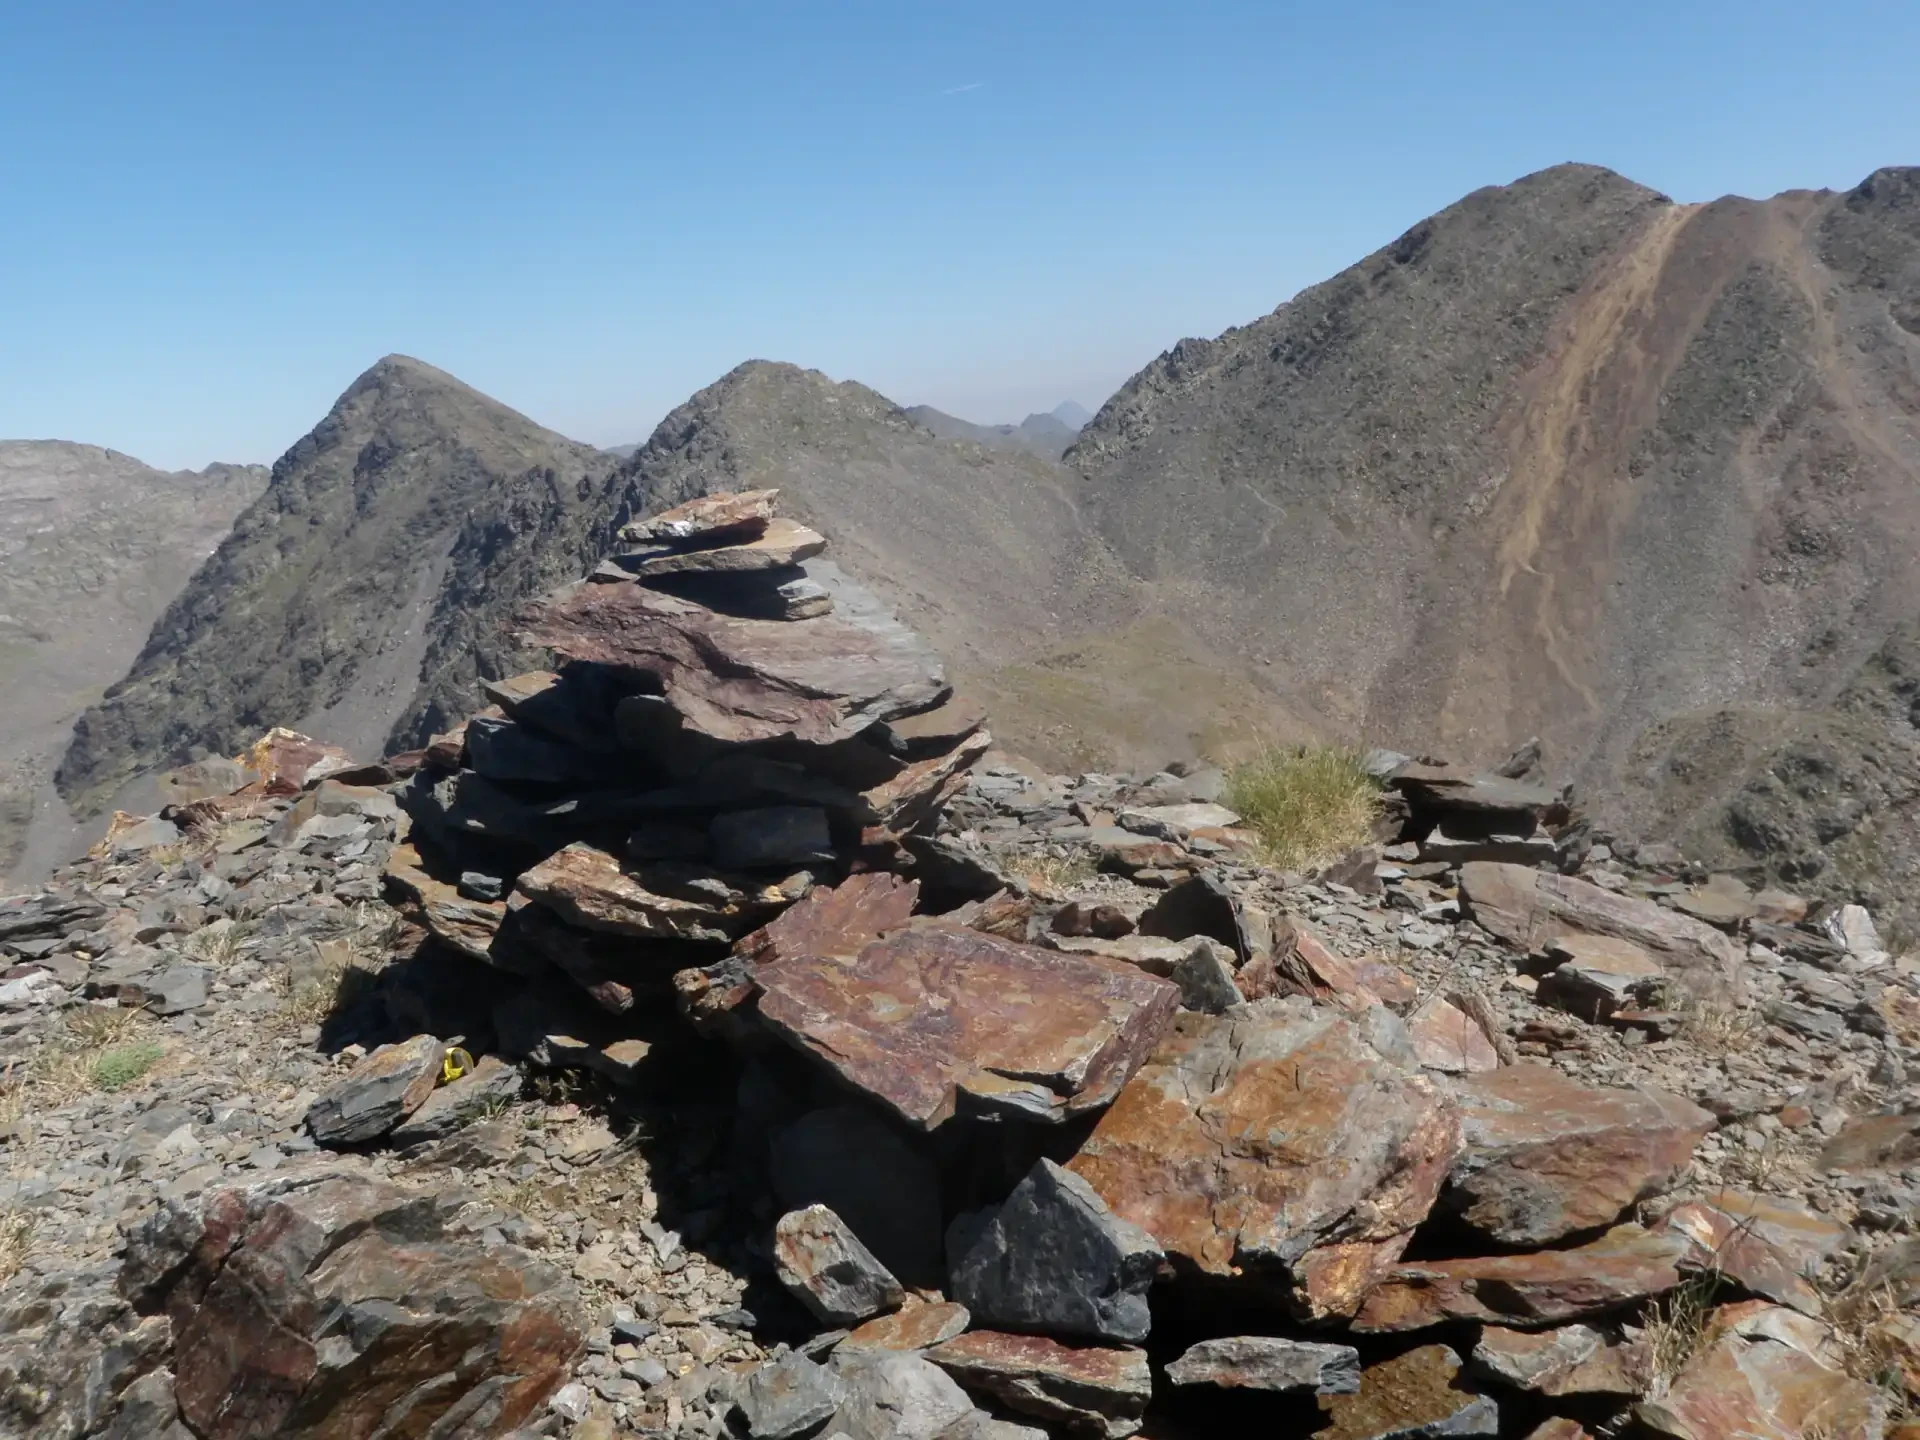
[1275,1138]
[1093,1390]
[819,680]
[924,1017]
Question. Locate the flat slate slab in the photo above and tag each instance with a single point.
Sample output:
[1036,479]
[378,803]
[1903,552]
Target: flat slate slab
[742,680]
[923,1017]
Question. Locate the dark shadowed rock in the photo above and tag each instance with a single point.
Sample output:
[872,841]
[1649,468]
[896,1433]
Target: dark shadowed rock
[856,1164]
[656,900]
[1263,1362]
[1053,1258]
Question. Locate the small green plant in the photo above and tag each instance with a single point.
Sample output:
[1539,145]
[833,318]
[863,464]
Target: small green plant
[1308,804]
[119,1066]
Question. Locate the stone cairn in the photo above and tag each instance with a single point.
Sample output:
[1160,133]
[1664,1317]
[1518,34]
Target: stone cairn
[735,726]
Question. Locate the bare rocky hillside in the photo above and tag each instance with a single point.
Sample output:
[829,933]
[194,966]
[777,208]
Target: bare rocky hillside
[93,545]
[1570,460]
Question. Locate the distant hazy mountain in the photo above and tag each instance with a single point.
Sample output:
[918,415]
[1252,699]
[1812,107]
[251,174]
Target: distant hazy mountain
[1038,434]
[93,546]
[1072,414]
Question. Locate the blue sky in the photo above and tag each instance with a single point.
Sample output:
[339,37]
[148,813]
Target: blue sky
[213,216]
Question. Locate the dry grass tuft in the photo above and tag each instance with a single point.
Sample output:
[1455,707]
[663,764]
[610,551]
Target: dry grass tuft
[93,1049]
[1676,1324]
[1862,1317]
[342,969]
[1309,804]
[1052,876]
[16,1240]
[1718,1027]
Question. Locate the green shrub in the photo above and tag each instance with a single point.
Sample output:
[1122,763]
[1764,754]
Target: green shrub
[120,1066]
[1309,804]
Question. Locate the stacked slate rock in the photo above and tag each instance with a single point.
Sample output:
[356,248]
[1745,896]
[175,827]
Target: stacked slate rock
[731,724]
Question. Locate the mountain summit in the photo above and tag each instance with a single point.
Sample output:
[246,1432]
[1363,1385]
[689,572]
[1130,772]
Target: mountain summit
[343,579]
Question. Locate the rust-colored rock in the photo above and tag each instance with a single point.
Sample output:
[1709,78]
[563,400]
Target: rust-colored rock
[1599,975]
[1527,908]
[469,926]
[926,1016]
[720,517]
[837,920]
[1447,1039]
[654,900]
[330,1307]
[1755,1381]
[1573,1360]
[932,732]
[917,1327]
[1415,1394]
[1545,1157]
[1764,1244]
[1091,1389]
[1314,969]
[741,680]
[1274,1137]
[1625,1265]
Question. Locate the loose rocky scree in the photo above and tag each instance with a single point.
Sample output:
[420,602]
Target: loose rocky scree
[717,1036]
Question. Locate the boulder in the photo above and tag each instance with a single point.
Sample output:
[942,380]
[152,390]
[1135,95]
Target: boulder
[780,545]
[824,1265]
[1544,1157]
[896,1396]
[1275,1139]
[1089,1389]
[1265,1362]
[1598,975]
[928,1019]
[790,1396]
[378,1093]
[725,517]
[1751,1380]
[1573,1360]
[1528,908]
[1053,1258]
[332,1305]
[1415,1396]
[492,1084]
[1767,1245]
[1626,1265]
[1204,976]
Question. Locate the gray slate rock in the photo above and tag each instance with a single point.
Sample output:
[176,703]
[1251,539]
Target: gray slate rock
[1055,1259]
[897,1397]
[829,1271]
[1205,977]
[790,1397]
[492,1083]
[850,1160]
[378,1093]
[1264,1362]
